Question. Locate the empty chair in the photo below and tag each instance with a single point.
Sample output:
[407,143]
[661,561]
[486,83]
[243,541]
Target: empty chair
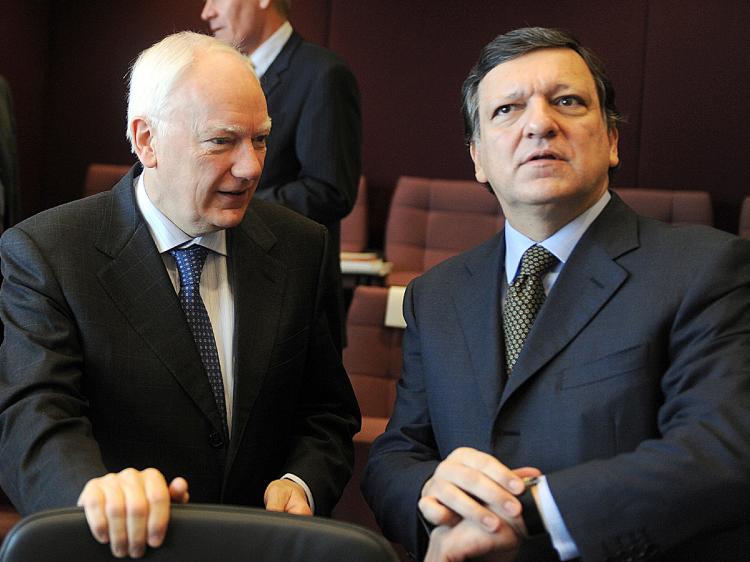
[8,515]
[431,220]
[672,206]
[744,231]
[202,532]
[354,225]
[101,177]
[373,360]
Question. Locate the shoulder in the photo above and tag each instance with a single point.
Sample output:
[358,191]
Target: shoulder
[318,63]
[469,262]
[284,223]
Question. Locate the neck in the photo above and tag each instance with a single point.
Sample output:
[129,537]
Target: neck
[273,21]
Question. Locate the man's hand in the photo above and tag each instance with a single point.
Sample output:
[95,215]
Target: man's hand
[131,509]
[467,540]
[285,495]
[475,486]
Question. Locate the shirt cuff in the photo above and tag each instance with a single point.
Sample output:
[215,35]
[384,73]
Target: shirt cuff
[562,541]
[297,480]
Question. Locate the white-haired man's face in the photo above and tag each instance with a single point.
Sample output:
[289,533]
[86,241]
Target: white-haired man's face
[204,163]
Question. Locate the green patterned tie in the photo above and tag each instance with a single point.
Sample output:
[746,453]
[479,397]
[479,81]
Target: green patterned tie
[523,300]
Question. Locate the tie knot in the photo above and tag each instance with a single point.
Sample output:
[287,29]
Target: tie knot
[536,261]
[190,263]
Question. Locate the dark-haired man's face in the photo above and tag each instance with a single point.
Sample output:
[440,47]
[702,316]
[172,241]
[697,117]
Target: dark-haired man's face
[543,145]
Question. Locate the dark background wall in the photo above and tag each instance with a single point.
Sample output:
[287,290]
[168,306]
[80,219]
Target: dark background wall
[681,70]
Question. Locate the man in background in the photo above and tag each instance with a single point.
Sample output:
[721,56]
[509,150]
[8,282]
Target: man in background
[313,158]
[166,339]
[579,385]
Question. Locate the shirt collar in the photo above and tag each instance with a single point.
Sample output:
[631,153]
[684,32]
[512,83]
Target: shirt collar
[561,243]
[168,235]
[263,56]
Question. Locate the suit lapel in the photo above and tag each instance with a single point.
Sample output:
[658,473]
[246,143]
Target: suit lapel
[477,300]
[589,279]
[138,283]
[258,283]
[274,74]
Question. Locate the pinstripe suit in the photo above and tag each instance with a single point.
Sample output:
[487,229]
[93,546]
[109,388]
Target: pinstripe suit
[99,370]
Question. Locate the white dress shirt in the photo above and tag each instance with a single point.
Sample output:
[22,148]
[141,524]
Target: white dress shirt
[215,289]
[561,244]
[263,56]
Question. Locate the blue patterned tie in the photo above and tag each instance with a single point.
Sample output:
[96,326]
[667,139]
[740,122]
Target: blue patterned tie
[190,265]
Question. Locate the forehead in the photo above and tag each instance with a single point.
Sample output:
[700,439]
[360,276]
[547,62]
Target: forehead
[539,70]
[220,86]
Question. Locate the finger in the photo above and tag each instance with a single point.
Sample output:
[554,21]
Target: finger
[455,498]
[471,493]
[114,509]
[178,490]
[490,467]
[275,497]
[158,496]
[297,503]
[436,513]
[92,501]
[527,472]
[136,511]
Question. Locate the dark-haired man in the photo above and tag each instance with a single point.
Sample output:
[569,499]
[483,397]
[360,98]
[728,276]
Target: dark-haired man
[579,385]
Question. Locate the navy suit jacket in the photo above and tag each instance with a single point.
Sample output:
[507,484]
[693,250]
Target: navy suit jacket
[313,161]
[99,370]
[632,392]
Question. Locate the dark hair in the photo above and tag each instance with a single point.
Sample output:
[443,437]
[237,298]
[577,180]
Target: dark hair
[520,42]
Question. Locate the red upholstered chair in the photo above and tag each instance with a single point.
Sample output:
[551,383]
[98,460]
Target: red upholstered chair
[354,225]
[101,177]
[373,360]
[745,219]
[8,516]
[431,220]
[672,206]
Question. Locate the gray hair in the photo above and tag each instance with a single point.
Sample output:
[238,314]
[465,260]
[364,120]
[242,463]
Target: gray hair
[520,42]
[158,70]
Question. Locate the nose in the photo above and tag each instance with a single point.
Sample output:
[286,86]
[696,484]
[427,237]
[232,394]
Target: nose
[208,11]
[540,120]
[248,162]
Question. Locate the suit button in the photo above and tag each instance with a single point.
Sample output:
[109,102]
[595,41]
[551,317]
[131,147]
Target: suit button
[215,439]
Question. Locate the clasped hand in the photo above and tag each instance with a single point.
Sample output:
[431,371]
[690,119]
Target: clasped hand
[130,509]
[471,498]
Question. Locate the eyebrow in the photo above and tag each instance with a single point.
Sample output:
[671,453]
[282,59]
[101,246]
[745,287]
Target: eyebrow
[264,129]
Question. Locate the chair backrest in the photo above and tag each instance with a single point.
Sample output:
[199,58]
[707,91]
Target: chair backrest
[372,356]
[672,206]
[744,231]
[354,225]
[199,533]
[431,220]
[101,177]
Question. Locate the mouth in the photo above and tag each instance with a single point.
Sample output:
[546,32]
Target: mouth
[543,155]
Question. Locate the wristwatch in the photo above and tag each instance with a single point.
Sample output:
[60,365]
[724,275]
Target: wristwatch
[529,510]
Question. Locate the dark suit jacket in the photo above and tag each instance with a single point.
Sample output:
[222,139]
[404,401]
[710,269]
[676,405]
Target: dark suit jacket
[313,161]
[99,370]
[632,393]
[10,206]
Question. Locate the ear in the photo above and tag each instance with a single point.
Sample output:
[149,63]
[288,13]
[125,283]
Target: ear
[614,156]
[478,170]
[264,4]
[143,141]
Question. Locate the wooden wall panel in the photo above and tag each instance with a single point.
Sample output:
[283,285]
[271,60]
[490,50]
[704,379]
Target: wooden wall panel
[695,101]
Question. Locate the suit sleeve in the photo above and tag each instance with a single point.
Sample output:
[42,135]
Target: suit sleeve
[328,146]
[693,477]
[405,456]
[327,415]
[46,445]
